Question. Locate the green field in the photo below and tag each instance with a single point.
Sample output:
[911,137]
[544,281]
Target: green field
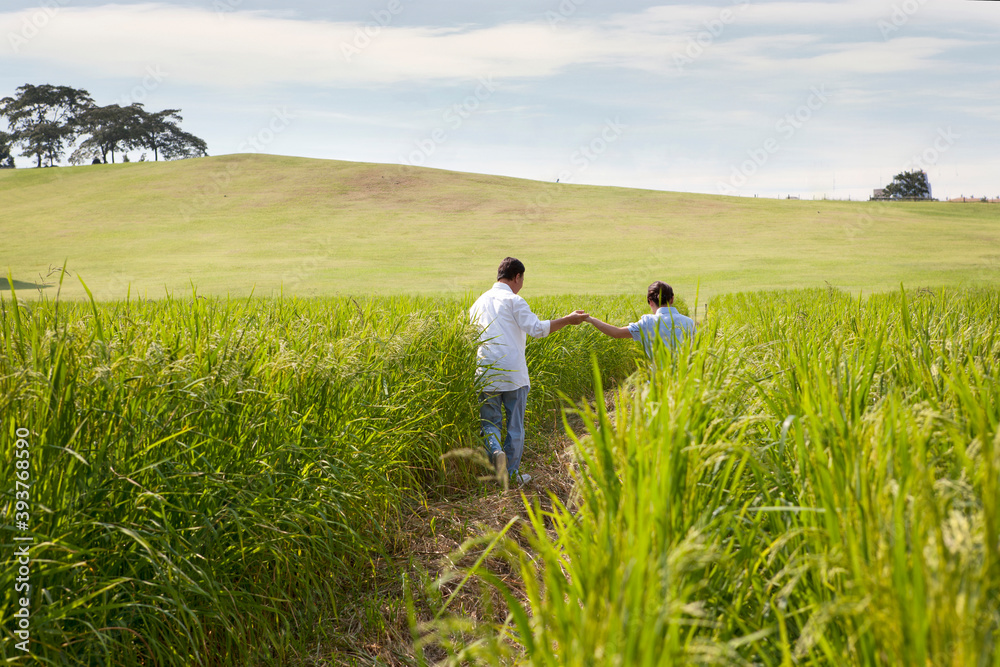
[226,479]
[223,481]
[813,480]
[236,223]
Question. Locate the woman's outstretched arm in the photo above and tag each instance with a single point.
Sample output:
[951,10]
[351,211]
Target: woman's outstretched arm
[609,329]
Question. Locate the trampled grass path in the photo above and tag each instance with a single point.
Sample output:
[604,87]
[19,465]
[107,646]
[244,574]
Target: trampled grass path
[430,542]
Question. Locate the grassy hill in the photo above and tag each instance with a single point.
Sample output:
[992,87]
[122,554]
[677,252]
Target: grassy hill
[236,223]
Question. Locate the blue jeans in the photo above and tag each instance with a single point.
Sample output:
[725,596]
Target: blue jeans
[491,419]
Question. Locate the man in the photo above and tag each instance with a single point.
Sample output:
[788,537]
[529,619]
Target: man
[504,320]
[664,322]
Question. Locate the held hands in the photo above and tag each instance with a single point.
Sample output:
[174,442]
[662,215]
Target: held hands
[574,318]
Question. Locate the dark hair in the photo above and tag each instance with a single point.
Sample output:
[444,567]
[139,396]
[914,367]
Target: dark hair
[509,269]
[660,293]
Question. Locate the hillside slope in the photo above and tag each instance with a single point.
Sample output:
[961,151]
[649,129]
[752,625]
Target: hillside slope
[240,223]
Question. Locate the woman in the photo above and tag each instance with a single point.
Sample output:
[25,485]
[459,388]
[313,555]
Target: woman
[664,322]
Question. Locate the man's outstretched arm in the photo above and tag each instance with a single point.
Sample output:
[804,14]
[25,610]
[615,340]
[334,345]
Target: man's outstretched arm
[576,317]
[609,329]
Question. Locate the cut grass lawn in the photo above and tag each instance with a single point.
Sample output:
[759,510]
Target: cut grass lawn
[240,223]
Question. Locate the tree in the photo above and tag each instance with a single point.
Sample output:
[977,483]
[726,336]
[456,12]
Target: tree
[108,129]
[160,133]
[909,184]
[42,119]
[181,145]
[6,159]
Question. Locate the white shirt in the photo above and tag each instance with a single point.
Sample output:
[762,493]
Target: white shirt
[504,320]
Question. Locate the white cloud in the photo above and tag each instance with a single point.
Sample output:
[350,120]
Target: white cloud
[688,125]
[247,49]
[819,60]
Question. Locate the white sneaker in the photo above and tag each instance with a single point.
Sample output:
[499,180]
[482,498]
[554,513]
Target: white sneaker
[500,466]
[520,478]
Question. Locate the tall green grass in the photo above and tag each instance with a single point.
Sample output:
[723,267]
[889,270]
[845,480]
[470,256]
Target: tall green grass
[814,481]
[213,481]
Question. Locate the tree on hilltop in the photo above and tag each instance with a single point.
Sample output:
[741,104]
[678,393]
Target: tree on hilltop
[909,184]
[45,120]
[6,159]
[42,119]
[160,133]
[115,128]
[108,129]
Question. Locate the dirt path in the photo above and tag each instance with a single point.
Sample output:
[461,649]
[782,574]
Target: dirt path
[433,531]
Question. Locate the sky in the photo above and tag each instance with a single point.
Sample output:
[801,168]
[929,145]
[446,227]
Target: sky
[740,97]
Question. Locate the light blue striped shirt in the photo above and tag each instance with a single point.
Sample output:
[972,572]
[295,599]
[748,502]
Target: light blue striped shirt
[666,323]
